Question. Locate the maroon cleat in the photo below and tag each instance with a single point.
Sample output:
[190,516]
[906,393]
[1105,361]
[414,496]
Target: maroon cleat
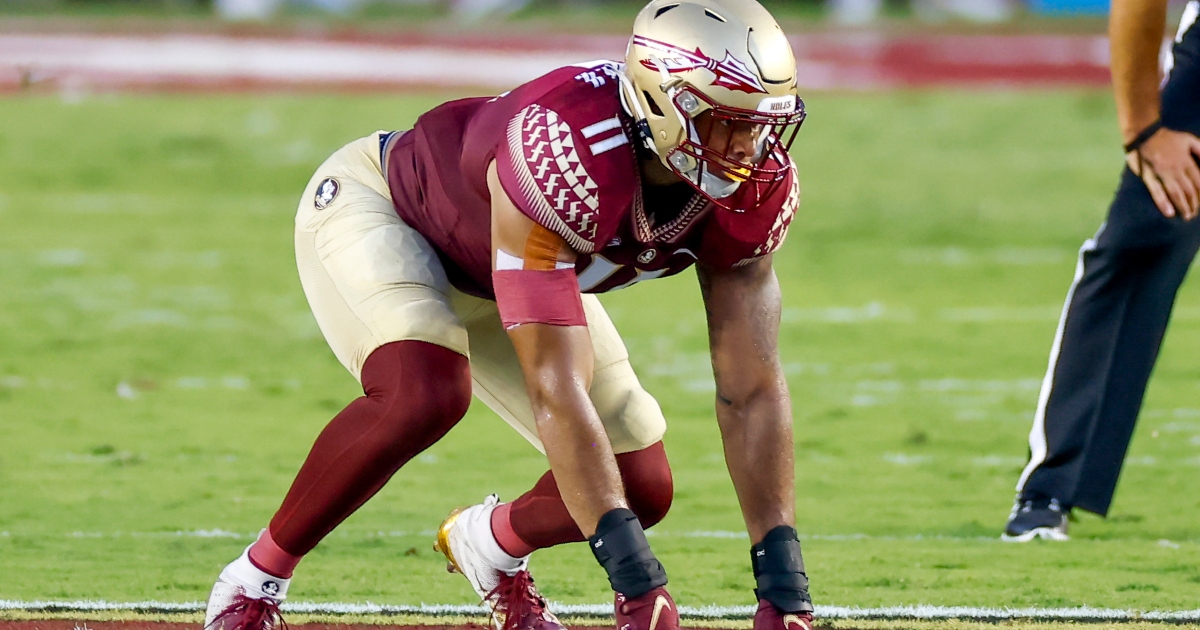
[769,617]
[516,605]
[654,610]
[244,613]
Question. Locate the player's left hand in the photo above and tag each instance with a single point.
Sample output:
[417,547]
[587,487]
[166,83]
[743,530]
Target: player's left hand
[1167,163]
[769,617]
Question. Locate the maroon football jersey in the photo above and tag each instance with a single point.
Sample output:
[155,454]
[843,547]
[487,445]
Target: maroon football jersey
[565,154]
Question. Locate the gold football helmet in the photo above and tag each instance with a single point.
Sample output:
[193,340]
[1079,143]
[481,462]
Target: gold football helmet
[725,60]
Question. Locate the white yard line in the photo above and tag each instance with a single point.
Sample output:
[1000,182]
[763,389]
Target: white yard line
[605,610]
[653,533]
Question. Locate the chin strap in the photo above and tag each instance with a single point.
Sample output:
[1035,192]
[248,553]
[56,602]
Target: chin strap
[629,101]
[709,183]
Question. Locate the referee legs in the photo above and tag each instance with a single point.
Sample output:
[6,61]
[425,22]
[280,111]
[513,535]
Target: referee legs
[1112,325]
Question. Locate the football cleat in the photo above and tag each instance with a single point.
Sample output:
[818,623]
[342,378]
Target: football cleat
[230,608]
[245,598]
[654,610]
[466,539]
[516,605]
[1036,518]
[769,617]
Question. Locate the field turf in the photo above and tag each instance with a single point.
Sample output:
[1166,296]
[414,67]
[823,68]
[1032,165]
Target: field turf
[161,377]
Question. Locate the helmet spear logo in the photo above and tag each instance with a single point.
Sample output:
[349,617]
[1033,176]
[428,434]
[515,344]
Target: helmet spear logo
[730,73]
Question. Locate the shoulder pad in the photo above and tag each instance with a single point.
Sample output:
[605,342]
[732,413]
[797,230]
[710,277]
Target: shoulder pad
[735,239]
[598,73]
[784,213]
[565,164]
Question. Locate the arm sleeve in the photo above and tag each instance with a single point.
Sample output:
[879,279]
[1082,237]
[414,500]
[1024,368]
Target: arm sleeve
[538,297]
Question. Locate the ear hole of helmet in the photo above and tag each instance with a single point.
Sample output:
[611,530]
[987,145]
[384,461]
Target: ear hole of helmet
[654,109]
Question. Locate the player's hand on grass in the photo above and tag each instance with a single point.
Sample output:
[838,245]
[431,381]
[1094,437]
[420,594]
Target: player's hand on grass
[1167,163]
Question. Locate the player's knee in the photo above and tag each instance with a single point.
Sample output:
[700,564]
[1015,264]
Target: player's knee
[649,487]
[652,500]
[422,390]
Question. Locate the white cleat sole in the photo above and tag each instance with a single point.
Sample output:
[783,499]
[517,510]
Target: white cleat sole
[1043,533]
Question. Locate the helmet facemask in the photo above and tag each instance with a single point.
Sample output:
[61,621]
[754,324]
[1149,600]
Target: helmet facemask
[714,133]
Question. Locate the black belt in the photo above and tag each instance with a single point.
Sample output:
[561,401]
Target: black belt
[383,142]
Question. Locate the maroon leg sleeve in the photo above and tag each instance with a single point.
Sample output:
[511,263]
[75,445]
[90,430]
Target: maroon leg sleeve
[540,518]
[415,392]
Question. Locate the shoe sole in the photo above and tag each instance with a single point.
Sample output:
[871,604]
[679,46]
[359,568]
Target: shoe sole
[442,543]
[1044,533]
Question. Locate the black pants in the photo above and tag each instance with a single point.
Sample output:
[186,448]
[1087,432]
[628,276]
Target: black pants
[1113,323]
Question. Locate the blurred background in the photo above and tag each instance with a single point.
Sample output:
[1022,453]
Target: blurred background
[847,12]
[75,45]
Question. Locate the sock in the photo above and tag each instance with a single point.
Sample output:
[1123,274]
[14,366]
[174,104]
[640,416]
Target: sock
[257,583]
[478,525]
[267,555]
[539,518]
[508,539]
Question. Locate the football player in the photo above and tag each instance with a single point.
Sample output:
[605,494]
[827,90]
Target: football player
[463,256]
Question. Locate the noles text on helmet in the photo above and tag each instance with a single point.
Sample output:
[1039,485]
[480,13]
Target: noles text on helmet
[712,84]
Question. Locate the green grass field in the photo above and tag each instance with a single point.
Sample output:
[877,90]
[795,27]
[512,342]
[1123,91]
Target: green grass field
[161,377]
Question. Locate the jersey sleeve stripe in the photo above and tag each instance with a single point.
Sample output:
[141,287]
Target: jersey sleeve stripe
[608,124]
[605,145]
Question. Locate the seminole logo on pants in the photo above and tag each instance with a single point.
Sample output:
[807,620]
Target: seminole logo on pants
[326,193]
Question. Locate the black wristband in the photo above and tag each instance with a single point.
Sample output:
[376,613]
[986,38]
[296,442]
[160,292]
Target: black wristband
[779,571]
[1144,135]
[620,546]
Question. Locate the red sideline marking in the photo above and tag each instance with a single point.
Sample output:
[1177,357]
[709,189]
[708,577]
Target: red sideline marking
[1016,60]
[840,61]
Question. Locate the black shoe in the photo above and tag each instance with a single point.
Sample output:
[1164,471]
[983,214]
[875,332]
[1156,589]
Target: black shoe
[1036,518]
